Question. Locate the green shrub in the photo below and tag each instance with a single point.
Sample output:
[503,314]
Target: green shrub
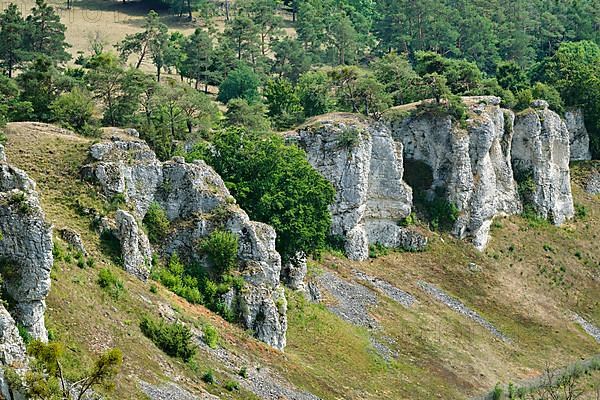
[19,200]
[209,376]
[231,386]
[441,213]
[75,110]
[24,333]
[110,283]
[348,138]
[222,250]
[58,252]
[153,288]
[378,250]
[497,392]
[243,372]
[175,339]
[581,211]
[409,220]
[156,222]
[211,336]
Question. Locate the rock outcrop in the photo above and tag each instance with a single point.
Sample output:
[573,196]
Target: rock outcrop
[541,152]
[364,164]
[12,354]
[73,239]
[135,247]
[196,202]
[469,166]
[579,139]
[25,249]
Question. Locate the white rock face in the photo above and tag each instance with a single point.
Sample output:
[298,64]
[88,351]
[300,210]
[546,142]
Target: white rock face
[541,149]
[579,139]
[25,248]
[135,247]
[469,166]
[12,353]
[196,203]
[364,164]
[127,168]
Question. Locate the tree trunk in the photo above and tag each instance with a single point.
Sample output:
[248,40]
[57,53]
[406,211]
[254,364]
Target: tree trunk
[189,6]
[227,10]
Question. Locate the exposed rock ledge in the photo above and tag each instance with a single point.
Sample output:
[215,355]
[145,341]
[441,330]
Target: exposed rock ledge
[364,164]
[196,202]
[470,166]
[541,150]
[25,249]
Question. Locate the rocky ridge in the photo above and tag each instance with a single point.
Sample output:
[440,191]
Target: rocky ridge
[25,249]
[364,164]
[196,203]
[472,165]
[541,152]
[469,166]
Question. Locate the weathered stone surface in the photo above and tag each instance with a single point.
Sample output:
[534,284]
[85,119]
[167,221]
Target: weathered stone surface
[469,166]
[73,239]
[541,150]
[25,249]
[196,202]
[364,164]
[579,139]
[126,168]
[12,352]
[135,247]
[593,184]
[294,271]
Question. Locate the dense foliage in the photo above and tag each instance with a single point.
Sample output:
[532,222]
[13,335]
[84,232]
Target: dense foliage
[275,184]
[361,56]
[173,338]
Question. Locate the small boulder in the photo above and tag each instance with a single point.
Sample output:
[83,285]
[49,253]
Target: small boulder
[73,239]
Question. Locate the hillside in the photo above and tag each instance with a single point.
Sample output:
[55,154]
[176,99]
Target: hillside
[527,283]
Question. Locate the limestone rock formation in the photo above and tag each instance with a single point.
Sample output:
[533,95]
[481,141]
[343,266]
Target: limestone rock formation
[196,202]
[12,353]
[579,139]
[128,169]
[470,166]
[541,152]
[25,249]
[294,271]
[73,239]
[135,247]
[364,164]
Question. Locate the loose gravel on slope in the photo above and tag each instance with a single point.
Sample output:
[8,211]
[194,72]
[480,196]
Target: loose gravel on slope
[353,300]
[399,296]
[460,308]
[590,328]
[260,380]
[170,391]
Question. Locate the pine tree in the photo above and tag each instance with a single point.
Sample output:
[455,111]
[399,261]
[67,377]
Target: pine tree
[12,31]
[45,33]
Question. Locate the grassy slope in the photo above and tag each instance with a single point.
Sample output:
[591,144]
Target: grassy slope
[440,352]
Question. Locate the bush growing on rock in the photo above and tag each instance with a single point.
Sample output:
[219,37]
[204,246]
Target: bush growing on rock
[173,338]
[211,336]
[222,249]
[156,223]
